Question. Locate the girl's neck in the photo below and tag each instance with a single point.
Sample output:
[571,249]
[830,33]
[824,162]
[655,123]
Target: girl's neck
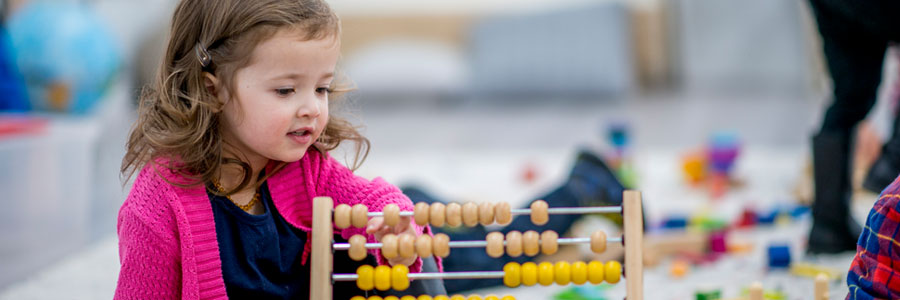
[233,174]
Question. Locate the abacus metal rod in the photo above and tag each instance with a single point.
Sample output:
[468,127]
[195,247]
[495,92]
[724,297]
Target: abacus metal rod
[481,244]
[527,211]
[444,275]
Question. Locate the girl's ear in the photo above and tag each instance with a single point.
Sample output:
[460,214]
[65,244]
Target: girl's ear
[213,85]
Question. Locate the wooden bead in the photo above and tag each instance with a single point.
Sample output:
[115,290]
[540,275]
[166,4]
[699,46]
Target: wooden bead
[491,297]
[454,215]
[562,271]
[391,298]
[512,274]
[474,297]
[514,243]
[470,214]
[376,297]
[508,297]
[389,246]
[382,278]
[457,297]
[531,243]
[612,271]
[441,297]
[424,297]
[421,213]
[437,214]
[494,246]
[595,272]
[408,297]
[539,215]
[357,249]
[391,215]
[342,216]
[366,277]
[529,274]
[359,216]
[545,273]
[358,298]
[549,242]
[406,245]
[502,213]
[579,272]
[486,213]
[598,241]
[399,277]
[441,245]
[423,246]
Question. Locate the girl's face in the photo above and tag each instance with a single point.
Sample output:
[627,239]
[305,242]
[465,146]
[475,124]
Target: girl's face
[281,102]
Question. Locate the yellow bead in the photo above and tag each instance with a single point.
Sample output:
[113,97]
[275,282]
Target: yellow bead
[358,298]
[474,297]
[562,272]
[366,279]
[512,274]
[529,274]
[400,277]
[391,298]
[408,297]
[375,298]
[579,272]
[508,297]
[545,273]
[424,297]
[457,297]
[441,297]
[491,297]
[595,272]
[382,278]
[613,271]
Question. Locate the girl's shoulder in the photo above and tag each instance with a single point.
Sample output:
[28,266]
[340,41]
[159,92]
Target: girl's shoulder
[157,185]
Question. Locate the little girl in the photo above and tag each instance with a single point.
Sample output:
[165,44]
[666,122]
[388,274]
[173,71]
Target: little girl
[230,146]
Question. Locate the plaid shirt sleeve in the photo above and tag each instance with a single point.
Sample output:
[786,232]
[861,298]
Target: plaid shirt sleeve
[875,270]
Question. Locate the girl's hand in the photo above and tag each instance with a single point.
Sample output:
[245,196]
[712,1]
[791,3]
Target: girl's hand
[376,227]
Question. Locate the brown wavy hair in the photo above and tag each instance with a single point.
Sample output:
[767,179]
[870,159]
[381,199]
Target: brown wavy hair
[178,118]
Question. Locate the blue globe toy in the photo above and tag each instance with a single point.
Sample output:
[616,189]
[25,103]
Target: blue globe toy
[67,56]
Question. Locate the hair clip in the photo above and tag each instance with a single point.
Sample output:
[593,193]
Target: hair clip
[202,55]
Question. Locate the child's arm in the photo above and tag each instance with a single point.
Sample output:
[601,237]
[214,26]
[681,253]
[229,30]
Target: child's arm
[874,270]
[150,268]
[337,181]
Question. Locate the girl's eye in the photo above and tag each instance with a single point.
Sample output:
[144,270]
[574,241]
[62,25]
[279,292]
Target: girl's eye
[323,91]
[284,91]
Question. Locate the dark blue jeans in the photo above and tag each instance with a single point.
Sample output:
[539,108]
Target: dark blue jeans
[475,259]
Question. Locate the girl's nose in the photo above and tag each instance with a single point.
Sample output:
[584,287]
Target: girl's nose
[310,108]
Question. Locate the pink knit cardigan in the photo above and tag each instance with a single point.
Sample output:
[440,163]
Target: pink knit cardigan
[167,235]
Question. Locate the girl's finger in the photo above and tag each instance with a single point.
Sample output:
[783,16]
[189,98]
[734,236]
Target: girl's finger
[375,224]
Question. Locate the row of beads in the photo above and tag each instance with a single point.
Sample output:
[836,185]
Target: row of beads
[403,245]
[471,214]
[439,297]
[562,273]
[438,214]
[529,243]
[383,277]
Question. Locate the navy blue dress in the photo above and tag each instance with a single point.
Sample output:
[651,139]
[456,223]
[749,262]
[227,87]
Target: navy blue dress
[261,256]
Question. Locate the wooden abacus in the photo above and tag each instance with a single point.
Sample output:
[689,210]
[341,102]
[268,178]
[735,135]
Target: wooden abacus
[470,214]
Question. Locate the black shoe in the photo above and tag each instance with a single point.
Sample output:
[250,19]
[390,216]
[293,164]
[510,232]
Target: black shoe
[880,175]
[593,182]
